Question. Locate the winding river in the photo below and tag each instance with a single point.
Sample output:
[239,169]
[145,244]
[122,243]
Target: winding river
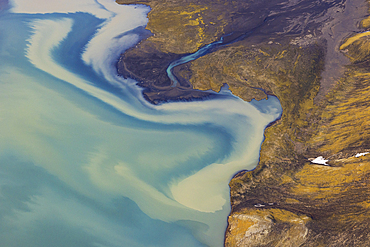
[209,49]
[85,160]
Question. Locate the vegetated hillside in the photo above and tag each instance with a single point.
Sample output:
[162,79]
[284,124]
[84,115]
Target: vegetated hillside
[298,55]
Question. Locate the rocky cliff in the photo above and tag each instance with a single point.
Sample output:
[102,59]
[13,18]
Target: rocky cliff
[314,56]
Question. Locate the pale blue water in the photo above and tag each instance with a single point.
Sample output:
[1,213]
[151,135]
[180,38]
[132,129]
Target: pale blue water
[85,161]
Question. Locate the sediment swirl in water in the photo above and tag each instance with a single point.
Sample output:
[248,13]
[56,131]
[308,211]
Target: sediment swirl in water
[85,160]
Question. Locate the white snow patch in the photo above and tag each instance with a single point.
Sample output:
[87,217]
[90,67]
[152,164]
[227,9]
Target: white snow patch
[320,160]
[361,154]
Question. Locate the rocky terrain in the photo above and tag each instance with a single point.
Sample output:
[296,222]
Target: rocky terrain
[314,56]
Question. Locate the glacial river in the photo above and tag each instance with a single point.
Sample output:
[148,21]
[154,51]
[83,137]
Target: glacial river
[85,160]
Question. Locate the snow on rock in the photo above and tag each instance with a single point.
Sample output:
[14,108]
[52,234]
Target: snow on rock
[319,160]
[361,154]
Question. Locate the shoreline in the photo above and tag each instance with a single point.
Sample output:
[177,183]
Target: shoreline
[243,172]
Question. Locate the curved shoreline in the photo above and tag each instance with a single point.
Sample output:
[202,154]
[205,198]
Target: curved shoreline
[190,57]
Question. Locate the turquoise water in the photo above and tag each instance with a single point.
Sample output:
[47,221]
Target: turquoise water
[85,160]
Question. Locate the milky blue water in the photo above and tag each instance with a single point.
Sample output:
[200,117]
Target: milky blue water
[85,160]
